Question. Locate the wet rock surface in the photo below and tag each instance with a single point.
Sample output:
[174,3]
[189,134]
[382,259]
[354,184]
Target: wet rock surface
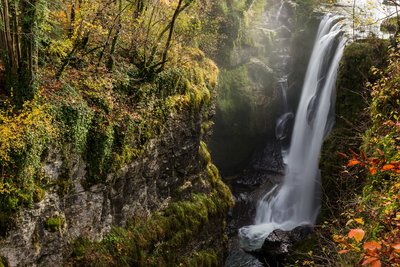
[280,242]
[265,170]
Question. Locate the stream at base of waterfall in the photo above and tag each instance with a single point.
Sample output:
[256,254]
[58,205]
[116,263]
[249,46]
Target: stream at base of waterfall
[296,201]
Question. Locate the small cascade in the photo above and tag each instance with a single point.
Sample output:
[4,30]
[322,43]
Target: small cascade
[278,14]
[284,121]
[295,201]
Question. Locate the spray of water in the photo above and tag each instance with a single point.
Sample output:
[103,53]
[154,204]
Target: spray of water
[295,201]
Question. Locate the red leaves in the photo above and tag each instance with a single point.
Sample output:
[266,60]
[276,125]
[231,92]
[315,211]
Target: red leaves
[342,155]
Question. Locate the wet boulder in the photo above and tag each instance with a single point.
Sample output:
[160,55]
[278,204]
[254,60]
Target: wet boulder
[280,242]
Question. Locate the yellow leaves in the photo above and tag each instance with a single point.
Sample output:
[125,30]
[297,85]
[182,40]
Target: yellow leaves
[356,234]
[60,48]
[166,2]
[6,188]
[359,220]
[15,129]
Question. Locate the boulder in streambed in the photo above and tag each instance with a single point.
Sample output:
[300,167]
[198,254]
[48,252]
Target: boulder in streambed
[280,242]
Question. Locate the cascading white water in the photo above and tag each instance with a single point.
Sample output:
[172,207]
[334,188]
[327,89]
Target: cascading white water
[278,14]
[294,202]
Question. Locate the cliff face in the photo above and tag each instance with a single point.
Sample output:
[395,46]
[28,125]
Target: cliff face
[166,197]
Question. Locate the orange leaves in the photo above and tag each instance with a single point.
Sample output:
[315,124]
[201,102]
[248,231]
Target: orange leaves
[388,167]
[372,171]
[372,249]
[373,261]
[357,234]
[372,245]
[353,162]
[396,247]
[374,164]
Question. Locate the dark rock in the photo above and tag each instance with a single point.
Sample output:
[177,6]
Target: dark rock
[280,242]
[242,259]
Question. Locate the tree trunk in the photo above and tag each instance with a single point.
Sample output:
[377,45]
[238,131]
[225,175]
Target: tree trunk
[72,20]
[12,60]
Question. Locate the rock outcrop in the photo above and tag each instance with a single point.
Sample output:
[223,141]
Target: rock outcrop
[168,196]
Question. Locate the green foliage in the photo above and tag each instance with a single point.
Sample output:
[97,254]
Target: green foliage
[372,212]
[203,258]
[99,148]
[54,224]
[390,25]
[305,8]
[24,138]
[355,70]
[75,121]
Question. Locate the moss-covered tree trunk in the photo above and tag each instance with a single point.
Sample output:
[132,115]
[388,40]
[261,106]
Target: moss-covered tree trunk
[19,47]
[26,74]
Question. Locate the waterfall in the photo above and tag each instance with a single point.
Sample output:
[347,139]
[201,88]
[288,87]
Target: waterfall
[296,200]
[278,15]
[284,120]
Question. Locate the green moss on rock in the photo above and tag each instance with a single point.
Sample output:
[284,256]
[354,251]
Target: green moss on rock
[54,224]
[161,240]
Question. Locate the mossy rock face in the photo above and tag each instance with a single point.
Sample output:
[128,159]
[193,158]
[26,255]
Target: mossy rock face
[354,71]
[180,226]
[245,114]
